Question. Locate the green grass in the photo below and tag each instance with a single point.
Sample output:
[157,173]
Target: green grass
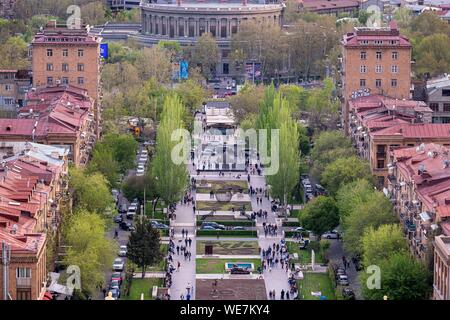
[218,265]
[144,286]
[314,282]
[223,206]
[230,247]
[305,255]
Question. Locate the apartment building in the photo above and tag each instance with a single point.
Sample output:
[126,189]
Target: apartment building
[14,84]
[375,61]
[441,281]
[68,57]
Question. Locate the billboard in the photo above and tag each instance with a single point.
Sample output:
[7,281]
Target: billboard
[104,50]
[253,71]
[184,69]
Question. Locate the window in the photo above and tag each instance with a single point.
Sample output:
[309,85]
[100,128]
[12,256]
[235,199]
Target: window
[380,164]
[212,27]
[8,87]
[9,101]
[80,80]
[363,55]
[226,69]
[65,80]
[223,28]
[394,55]
[378,69]
[49,80]
[446,107]
[394,69]
[23,273]
[49,66]
[379,55]
[378,83]
[362,82]
[394,83]
[65,67]
[434,106]
[364,42]
[80,52]
[362,69]
[65,52]
[80,67]
[378,41]
[446,92]
[49,52]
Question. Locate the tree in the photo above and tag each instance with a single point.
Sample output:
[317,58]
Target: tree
[170,177]
[124,148]
[14,53]
[192,96]
[374,212]
[246,103]
[353,194]
[103,161]
[433,55]
[402,278]
[206,54]
[88,248]
[380,244]
[403,17]
[143,246]
[329,146]
[93,13]
[134,186]
[155,63]
[90,192]
[343,171]
[322,107]
[320,215]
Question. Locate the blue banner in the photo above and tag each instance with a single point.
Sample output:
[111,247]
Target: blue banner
[184,69]
[104,50]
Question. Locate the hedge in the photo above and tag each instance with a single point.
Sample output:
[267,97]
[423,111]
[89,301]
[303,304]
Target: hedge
[231,233]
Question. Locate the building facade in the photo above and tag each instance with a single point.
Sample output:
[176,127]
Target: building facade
[438,99]
[331,7]
[14,85]
[441,280]
[119,5]
[68,57]
[375,61]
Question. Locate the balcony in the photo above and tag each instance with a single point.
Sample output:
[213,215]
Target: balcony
[23,282]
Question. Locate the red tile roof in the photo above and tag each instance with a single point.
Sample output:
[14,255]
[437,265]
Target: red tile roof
[417,130]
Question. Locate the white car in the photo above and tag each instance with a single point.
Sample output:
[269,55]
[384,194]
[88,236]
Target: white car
[122,251]
[118,264]
[144,152]
[143,159]
[331,235]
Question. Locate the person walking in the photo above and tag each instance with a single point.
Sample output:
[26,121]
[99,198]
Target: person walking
[178,266]
[282,294]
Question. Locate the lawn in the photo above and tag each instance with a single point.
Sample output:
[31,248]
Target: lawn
[305,255]
[223,206]
[235,185]
[314,282]
[144,286]
[218,265]
[230,247]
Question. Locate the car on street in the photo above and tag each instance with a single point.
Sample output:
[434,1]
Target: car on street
[118,218]
[217,86]
[115,284]
[215,225]
[158,225]
[342,280]
[115,194]
[208,228]
[238,228]
[115,293]
[331,235]
[339,271]
[122,251]
[117,276]
[123,208]
[118,264]
[348,294]
[131,211]
[126,226]
[140,172]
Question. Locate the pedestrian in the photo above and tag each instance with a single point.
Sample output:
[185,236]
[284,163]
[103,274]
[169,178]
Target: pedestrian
[178,250]
[270,294]
[104,292]
[287,295]
[181,297]
[178,266]
[273,294]
[282,294]
[188,297]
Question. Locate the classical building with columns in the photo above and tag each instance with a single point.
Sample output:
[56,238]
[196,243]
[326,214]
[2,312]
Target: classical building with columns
[186,20]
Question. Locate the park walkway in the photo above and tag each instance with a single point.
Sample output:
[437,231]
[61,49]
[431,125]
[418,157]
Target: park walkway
[277,278]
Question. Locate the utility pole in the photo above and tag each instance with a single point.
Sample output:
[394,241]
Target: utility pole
[6,258]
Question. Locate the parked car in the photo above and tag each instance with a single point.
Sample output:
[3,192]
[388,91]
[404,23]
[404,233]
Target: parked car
[331,235]
[140,172]
[342,280]
[339,271]
[123,208]
[118,218]
[348,294]
[238,228]
[214,224]
[208,228]
[158,225]
[115,293]
[126,226]
[217,86]
[131,211]
[114,285]
[117,276]
[122,251]
[118,264]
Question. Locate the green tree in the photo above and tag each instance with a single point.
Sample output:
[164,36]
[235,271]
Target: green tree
[134,186]
[192,96]
[88,248]
[433,55]
[329,146]
[343,171]
[374,212]
[320,215]
[93,13]
[170,177]
[124,148]
[402,278]
[103,161]
[353,194]
[90,192]
[246,103]
[144,245]
[155,63]
[206,54]
[380,244]
[14,53]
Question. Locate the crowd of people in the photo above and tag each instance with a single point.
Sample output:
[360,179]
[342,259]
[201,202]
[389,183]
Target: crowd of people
[270,229]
